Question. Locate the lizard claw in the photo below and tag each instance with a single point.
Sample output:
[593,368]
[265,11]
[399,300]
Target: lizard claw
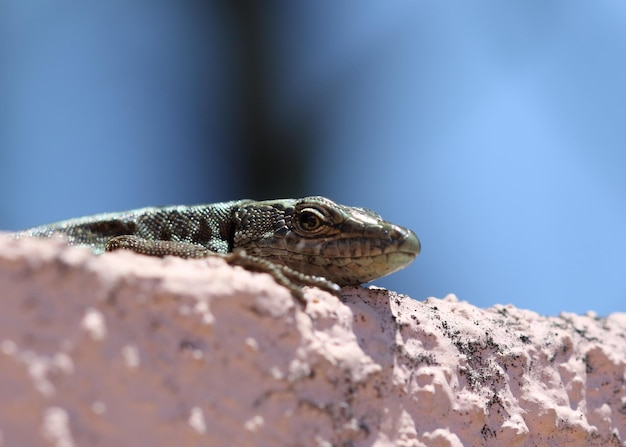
[283,275]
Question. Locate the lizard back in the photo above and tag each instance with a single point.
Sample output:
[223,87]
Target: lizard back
[206,225]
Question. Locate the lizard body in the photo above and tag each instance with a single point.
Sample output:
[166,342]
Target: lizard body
[308,241]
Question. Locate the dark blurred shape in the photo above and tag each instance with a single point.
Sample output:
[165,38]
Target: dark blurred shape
[273,158]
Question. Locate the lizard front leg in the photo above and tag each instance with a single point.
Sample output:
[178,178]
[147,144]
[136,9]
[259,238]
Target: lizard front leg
[283,275]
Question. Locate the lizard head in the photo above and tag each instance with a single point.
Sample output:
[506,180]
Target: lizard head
[316,236]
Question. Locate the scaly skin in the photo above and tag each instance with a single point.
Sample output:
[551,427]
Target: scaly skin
[308,241]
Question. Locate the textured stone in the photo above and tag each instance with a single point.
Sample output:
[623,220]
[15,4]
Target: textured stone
[122,349]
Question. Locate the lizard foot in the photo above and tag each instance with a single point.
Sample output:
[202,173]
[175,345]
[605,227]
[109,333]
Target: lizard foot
[283,275]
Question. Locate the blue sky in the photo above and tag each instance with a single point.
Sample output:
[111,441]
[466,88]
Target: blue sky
[495,131]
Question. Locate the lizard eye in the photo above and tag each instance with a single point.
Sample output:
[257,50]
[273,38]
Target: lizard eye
[309,220]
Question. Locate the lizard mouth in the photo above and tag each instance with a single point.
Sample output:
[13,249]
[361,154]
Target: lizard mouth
[365,268]
[352,261]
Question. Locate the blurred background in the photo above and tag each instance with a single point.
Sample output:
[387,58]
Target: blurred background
[495,130]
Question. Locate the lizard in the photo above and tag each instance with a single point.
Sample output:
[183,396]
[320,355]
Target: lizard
[311,241]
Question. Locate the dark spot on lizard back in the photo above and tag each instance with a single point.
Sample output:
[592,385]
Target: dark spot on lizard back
[111,228]
[203,232]
[165,234]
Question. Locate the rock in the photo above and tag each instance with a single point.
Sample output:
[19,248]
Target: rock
[124,349]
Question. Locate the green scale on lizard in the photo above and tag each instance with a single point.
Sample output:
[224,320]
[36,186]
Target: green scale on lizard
[308,241]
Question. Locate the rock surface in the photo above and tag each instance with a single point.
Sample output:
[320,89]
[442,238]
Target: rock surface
[123,349]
